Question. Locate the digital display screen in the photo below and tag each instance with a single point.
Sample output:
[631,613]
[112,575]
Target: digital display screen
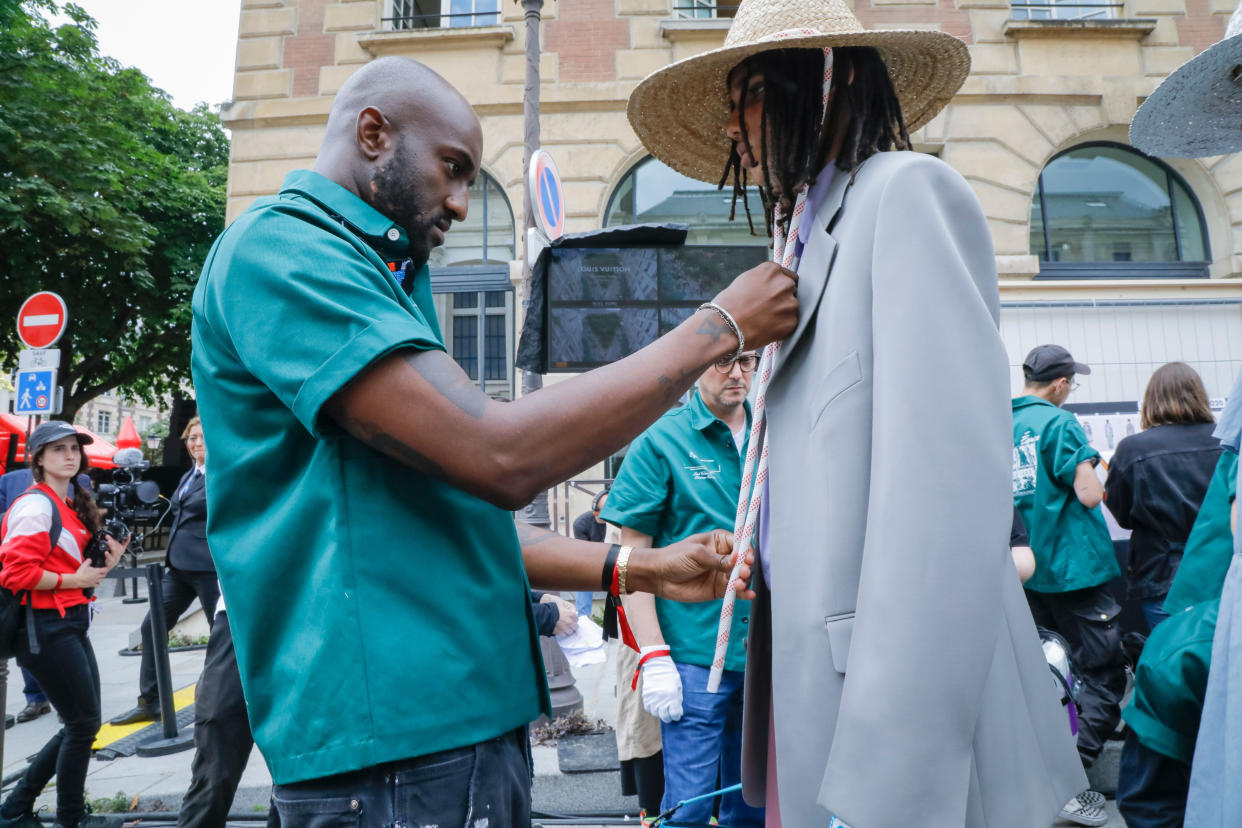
[604,304]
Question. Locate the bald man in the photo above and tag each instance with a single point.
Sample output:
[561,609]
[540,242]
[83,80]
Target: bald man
[362,484]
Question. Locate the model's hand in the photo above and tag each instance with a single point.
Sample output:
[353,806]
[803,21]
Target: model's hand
[694,569]
[661,686]
[763,302]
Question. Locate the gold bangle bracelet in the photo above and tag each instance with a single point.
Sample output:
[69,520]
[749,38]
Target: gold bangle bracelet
[623,562]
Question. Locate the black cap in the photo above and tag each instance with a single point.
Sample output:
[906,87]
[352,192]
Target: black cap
[50,432]
[1049,362]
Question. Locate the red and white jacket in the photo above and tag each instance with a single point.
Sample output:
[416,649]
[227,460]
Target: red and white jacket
[24,550]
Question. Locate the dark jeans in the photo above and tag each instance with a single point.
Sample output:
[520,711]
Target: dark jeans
[1153,611]
[180,590]
[485,783]
[1087,619]
[66,670]
[30,688]
[222,739]
[1151,788]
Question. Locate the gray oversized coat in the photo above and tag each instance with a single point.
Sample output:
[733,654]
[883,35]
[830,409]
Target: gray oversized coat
[909,684]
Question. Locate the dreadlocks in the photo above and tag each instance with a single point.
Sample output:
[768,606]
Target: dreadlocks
[864,115]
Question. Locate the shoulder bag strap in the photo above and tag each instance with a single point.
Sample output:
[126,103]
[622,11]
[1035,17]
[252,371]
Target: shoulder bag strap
[54,535]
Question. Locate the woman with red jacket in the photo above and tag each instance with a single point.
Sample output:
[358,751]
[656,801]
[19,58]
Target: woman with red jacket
[54,580]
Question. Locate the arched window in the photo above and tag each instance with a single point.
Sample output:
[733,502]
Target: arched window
[1103,209]
[473,295]
[652,192]
[486,236]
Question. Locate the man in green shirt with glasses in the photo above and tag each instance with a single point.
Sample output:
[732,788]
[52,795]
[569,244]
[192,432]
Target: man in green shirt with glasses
[1058,495]
[682,476]
[362,484]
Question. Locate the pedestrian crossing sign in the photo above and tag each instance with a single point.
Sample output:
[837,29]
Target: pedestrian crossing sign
[36,392]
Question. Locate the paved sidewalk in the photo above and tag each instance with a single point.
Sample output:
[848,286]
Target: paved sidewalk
[159,783]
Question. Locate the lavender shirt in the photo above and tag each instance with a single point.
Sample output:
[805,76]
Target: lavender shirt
[814,200]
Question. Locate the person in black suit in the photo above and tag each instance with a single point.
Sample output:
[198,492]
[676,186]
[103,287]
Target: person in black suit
[190,572]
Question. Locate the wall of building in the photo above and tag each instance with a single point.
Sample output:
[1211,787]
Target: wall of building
[1036,89]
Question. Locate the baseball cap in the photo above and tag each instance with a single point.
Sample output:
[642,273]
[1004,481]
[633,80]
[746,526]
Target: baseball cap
[1049,362]
[50,432]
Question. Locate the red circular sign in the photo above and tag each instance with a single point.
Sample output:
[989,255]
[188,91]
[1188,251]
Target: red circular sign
[42,320]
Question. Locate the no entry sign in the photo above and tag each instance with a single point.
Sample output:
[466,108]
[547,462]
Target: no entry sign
[42,320]
[546,195]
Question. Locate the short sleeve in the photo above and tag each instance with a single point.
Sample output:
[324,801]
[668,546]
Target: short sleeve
[306,324]
[1229,429]
[1064,447]
[638,495]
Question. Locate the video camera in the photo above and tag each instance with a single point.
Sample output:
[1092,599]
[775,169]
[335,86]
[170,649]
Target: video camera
[128,499]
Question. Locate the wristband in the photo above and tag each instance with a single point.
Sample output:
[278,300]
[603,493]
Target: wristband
[623,563]
[60,578]
[610,565]
[731,322]
[664,651]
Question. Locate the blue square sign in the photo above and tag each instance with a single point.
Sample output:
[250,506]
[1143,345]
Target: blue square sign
[36,392]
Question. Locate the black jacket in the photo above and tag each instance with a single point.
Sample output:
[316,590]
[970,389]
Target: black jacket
[187,542]
[1156,482]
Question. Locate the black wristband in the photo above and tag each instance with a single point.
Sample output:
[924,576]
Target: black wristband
[610,563]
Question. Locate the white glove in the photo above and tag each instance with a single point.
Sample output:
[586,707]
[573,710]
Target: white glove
[661,685]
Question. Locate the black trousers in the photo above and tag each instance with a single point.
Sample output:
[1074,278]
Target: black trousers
[180,590]
[65,668]
[222,738]
[1088,620]
[1151,787]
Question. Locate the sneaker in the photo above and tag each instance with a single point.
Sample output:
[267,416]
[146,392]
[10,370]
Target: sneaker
[33,711]
[26,820]
[1090,797]
[145,712]
[1079,813]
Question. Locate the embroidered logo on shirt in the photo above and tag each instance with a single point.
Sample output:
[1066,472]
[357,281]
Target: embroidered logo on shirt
[1025,464]
[702,468]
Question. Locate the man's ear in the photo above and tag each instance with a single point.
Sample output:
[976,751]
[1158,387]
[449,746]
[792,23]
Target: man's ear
[374,133]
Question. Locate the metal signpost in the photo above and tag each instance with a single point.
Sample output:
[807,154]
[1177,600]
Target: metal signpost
[41,322]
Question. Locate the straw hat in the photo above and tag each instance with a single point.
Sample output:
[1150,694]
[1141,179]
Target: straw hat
[1197,110]
[680,112]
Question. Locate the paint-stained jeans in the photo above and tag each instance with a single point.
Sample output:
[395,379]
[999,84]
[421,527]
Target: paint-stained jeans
[486,785]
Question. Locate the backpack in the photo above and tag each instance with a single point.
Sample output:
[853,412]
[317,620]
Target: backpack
[11,602]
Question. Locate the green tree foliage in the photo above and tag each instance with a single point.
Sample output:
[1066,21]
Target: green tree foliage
[109,196]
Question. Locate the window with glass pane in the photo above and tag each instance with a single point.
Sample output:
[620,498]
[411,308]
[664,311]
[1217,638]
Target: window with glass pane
[487,234]
[466,343]
[473,12]
[652,192]
[1067,10]
[496,365]
[1108,203]
[104,422]
[704,8]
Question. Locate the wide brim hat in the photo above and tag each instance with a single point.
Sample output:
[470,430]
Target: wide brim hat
[680,112]
[1197,110]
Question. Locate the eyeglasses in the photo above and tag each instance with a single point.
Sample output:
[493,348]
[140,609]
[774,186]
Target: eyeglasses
[747,362]
[1071,385]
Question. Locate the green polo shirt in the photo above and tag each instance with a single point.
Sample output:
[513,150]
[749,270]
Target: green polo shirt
[682,476]
[1209,549]
[1071,544]
[378,613]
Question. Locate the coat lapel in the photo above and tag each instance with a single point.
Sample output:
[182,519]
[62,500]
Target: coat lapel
[815,265]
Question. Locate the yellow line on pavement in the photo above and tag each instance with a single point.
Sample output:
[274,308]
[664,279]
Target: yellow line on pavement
[110,733]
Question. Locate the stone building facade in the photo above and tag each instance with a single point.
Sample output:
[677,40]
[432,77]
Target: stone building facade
[1128,261]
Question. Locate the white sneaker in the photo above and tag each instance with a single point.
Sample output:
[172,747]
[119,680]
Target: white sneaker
[1085,809]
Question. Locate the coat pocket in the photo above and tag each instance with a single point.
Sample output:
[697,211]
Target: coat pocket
[840,629]
[840,378]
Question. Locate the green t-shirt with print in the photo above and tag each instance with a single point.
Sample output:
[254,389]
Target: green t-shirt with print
[1070,542]
[682,476]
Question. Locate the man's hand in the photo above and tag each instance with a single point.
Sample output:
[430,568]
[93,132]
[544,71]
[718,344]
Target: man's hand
[661,686]
[763,302]
[694,569]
